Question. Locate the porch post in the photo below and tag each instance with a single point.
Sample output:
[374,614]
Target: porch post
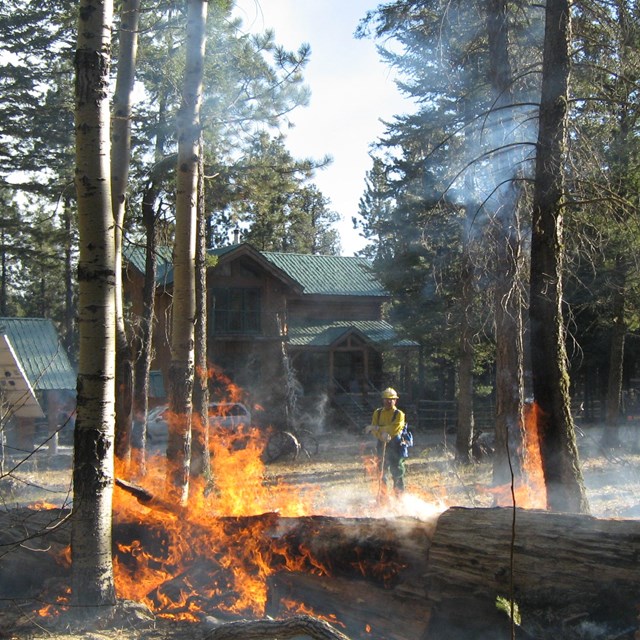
[332,388]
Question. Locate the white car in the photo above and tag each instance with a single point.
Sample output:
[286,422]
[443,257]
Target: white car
[222,415]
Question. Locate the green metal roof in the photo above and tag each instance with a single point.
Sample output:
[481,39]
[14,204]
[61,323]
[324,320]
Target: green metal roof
[325,334]
[42,356]
[316,274]
[136,256]
[329,275]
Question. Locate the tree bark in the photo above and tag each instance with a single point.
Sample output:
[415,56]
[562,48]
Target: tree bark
[92,577]
[145,340]
[465,424]
[200,460]
[296,627]
[563,478]
[120,161]
[181,370]
[69,339]
[506,237]
[553,566]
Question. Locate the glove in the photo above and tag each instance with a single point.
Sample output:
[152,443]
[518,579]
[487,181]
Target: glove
[385,437]
[369,428]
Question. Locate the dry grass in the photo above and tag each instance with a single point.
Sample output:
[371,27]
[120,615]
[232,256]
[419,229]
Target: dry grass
[342,482]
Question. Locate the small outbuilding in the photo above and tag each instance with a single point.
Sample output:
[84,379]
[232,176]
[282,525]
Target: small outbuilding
[37,385]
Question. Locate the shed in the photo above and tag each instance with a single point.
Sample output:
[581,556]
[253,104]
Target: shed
[38,382]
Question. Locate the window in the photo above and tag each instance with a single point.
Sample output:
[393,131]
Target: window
[236,310]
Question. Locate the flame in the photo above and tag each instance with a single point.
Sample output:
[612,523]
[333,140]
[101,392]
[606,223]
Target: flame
[240,553]
[216,552]
[532,459]
[301,609]
[42,505]
[529,490]
[55,608]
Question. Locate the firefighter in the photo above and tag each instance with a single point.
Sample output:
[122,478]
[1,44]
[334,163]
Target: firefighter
[387,425]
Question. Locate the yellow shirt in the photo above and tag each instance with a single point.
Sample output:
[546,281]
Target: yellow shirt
[385,421]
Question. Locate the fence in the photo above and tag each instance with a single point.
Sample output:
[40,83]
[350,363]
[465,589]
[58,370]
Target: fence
[438,415]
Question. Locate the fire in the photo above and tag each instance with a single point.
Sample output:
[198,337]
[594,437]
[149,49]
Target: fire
[298,608]
[532,460]
[529,491]
[217,526]
[42,505]
[52,609]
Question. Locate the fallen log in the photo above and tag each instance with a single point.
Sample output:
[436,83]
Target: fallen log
[363,609]
[288,628]
[558,566]
[375,574]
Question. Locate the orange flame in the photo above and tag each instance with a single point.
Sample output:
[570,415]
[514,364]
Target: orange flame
[55,608]
[240,556]
[529,490]
[299,608]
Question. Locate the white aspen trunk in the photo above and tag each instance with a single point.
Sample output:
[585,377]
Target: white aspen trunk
[92,569]
[120,162]
[181,374]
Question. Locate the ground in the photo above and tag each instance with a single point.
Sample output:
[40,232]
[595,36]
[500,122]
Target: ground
[341,484]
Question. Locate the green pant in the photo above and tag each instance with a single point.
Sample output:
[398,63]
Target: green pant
[391,462]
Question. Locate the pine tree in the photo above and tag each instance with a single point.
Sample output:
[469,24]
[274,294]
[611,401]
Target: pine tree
[563,478]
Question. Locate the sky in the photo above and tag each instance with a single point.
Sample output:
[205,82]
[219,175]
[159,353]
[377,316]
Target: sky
[351,91]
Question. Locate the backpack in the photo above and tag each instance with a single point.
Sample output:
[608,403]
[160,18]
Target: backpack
[405,439]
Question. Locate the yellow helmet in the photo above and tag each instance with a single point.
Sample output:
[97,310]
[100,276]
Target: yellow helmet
[389,393]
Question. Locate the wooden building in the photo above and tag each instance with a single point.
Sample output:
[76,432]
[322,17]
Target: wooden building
[37,386]
[283,325]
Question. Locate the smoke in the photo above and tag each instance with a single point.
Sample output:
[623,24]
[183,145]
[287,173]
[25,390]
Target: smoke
[478,113]
[362,502]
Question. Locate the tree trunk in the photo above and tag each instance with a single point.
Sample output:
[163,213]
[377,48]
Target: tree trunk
[144,350]
[183,316]
[145,341]
[92,577]
[465,422]
[465,425]
[506,238]
[3,274]
[120,161]
[69,308]
[563,478]
[610,437]
[200,461]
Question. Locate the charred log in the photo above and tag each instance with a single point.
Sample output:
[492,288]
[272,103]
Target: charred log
[554,566]
[362,608]
[286,628]
[395,578]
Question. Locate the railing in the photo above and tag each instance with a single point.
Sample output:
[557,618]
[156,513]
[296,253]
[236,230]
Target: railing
[352,409]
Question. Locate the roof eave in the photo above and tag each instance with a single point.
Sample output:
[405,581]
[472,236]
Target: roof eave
[246,249]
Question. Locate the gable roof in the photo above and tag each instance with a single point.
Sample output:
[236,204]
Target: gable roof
[329,275]
[326,334]
[39,351]
[312,273]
